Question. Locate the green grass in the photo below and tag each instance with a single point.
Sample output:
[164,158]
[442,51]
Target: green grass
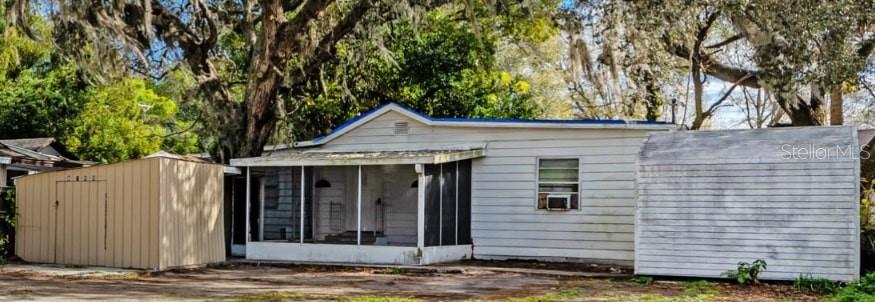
[377,299]
[280,296]
[271,297]
[660,298]
[700,288]
[563,295]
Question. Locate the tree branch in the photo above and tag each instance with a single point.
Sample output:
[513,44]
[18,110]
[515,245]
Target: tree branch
[725,42]
[725,96]
[327,46]
[714,68]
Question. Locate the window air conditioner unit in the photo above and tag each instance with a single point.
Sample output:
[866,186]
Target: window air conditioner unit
[558,202]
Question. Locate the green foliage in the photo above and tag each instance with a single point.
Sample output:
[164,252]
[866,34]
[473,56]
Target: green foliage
[8,219]
[645,280]
[816,285]
[40,94]
[123,121]
[862,290]
[442,65]
[747,273]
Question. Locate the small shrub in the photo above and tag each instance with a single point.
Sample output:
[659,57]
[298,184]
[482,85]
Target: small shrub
[860,290]
[816,285]
[646,280]
[747,273]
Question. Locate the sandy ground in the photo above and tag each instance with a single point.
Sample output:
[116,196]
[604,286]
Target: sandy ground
[212,284]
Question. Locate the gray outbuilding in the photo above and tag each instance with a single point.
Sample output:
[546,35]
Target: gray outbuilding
[790,196]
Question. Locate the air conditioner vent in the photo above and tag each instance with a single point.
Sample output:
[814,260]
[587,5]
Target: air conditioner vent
[402,128]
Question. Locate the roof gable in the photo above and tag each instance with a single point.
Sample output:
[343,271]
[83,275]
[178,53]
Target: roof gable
[375,113]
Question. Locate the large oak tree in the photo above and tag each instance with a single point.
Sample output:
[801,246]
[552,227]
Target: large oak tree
[285,42]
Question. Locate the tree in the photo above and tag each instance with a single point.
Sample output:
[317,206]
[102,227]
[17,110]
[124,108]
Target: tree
[40,93]
[440,64]
[123,121]
[818,48]
[286,41]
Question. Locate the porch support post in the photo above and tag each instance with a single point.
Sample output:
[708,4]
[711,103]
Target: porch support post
[302,204]
[248,204]
[358,229]
[420,206]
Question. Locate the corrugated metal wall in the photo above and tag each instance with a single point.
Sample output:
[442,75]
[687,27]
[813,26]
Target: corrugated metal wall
[192,228]
[708,200]
[110,215]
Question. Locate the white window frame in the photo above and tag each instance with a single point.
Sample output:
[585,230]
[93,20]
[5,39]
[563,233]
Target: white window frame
[538,182]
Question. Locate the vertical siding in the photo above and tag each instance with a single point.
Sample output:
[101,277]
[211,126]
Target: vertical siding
[505,222]
[192,228]
[708,200]
[102,217]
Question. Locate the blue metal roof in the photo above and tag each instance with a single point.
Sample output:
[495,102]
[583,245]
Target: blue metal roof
[489,120]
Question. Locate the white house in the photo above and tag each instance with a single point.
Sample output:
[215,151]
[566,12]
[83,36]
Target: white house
[395,186]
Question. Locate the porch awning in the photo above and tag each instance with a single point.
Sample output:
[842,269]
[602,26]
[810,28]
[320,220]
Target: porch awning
[325,158]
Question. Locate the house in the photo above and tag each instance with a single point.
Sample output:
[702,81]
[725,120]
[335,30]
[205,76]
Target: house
[20,157]
[395,186]
[789,196]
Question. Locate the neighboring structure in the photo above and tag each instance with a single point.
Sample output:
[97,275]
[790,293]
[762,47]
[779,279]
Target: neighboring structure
[790,196]
[396,186]
[152,213]
[20,157]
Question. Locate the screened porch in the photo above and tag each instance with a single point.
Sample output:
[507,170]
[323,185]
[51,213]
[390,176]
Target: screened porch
[358,207]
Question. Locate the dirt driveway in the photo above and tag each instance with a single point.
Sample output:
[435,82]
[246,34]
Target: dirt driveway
[252,283]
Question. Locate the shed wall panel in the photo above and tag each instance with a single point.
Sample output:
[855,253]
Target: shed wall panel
[100,219]
[708,200]
[192,227]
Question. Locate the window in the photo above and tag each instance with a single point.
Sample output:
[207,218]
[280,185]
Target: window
[558,184]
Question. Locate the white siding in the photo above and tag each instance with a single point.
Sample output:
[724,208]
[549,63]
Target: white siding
[505,220]
[708,200]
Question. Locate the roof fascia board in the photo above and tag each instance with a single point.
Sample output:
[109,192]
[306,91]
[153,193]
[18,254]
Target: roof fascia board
[425,159]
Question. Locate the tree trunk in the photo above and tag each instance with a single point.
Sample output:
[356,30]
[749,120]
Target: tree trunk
[836,107]
[259,117]
[698,94]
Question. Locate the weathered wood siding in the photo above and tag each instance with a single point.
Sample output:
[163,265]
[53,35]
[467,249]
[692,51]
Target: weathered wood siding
[708,200]
[505,220]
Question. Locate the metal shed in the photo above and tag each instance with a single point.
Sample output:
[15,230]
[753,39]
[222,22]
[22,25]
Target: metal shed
[152,213]
[790,196]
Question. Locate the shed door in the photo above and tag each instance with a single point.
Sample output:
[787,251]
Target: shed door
[81,223]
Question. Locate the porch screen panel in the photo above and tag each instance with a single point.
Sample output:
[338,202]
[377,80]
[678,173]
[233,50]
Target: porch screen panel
[308,203]
[448,204]
[432,221]
[464,188]
[238,212]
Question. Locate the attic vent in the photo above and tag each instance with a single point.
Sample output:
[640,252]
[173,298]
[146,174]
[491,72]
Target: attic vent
[401,128]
